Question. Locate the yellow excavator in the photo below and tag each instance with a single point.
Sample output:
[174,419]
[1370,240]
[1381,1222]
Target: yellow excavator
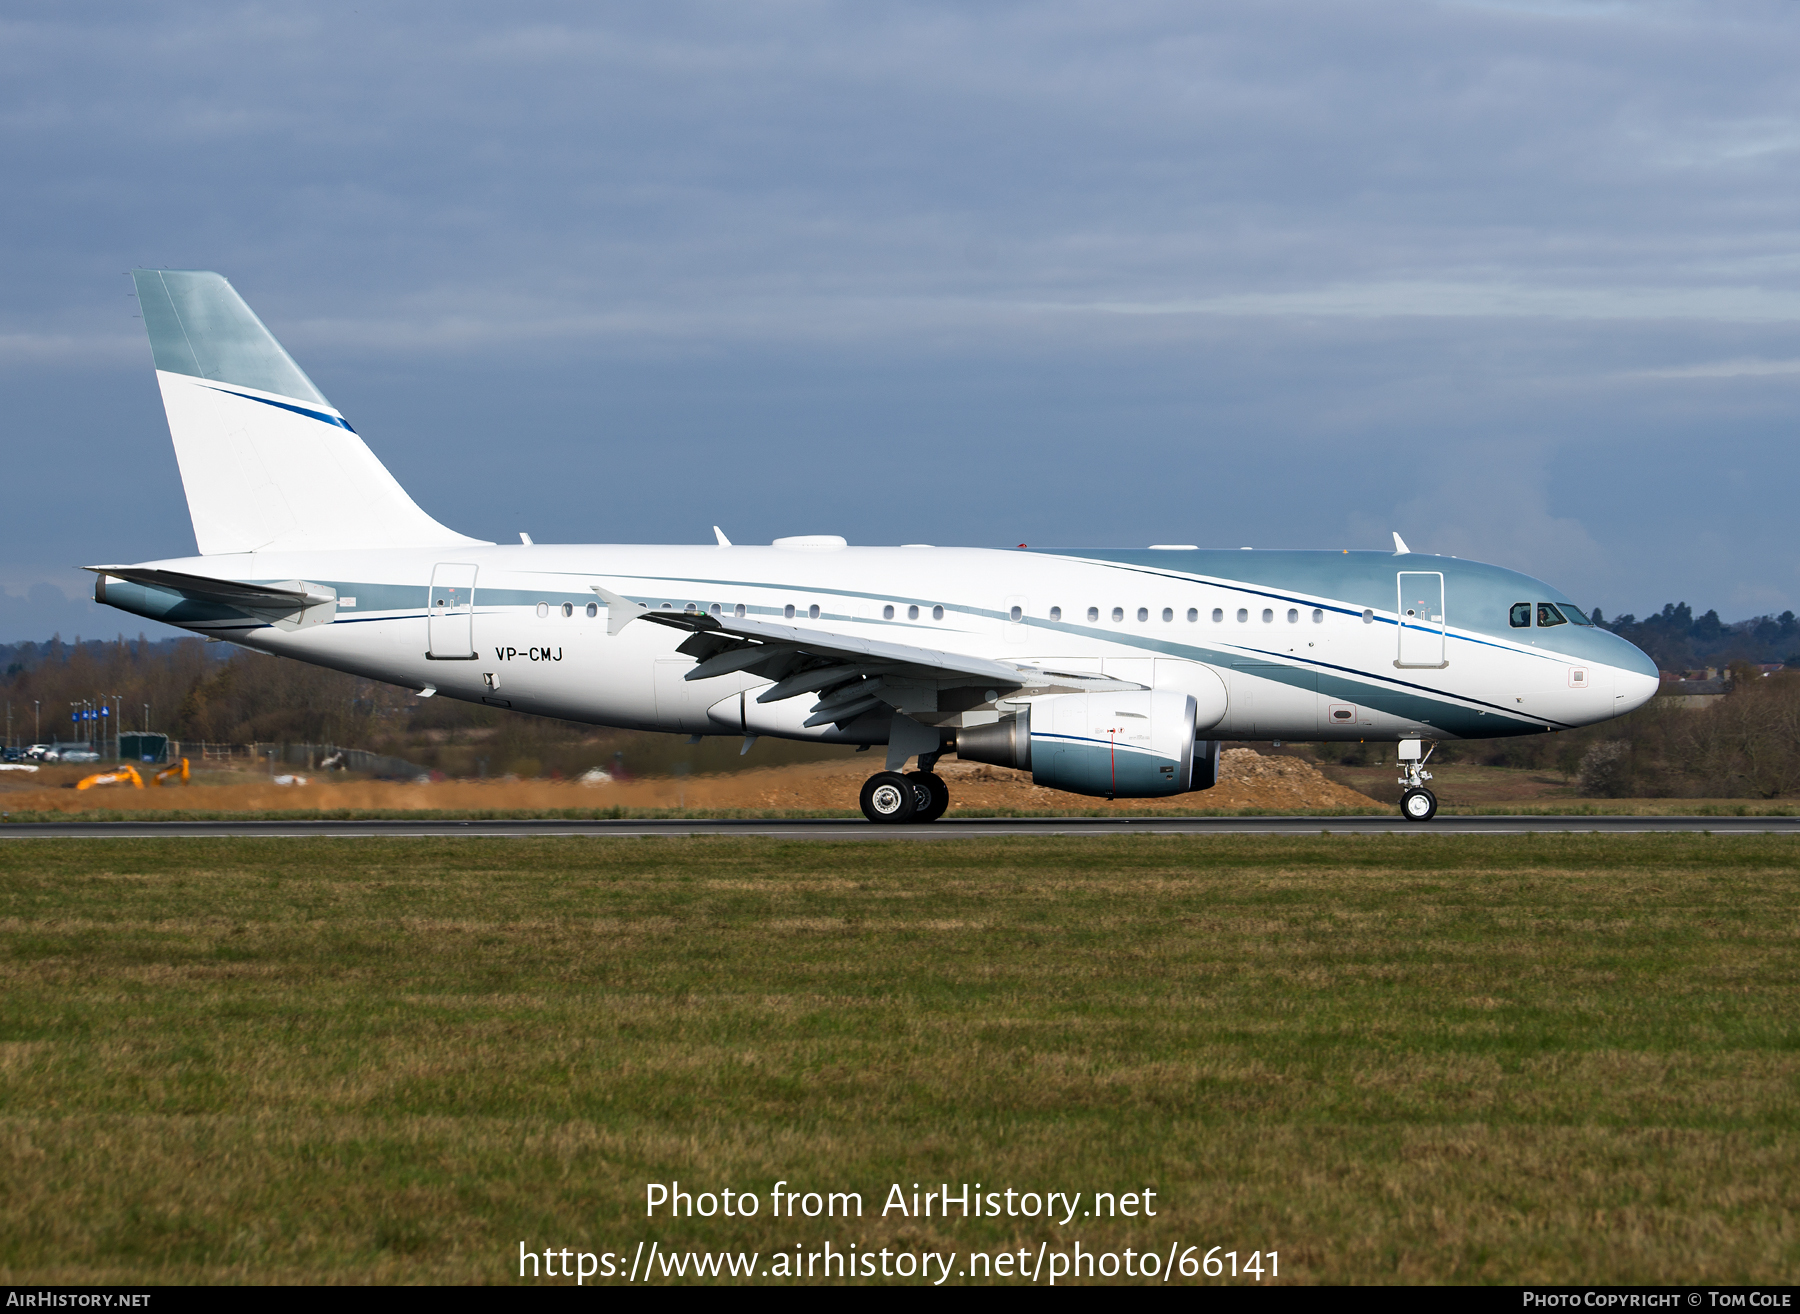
[125,775]
[128,775]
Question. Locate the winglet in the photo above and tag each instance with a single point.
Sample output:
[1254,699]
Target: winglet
[1400,548]
[723,541]
[620,612]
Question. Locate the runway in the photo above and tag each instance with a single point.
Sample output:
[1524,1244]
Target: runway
[957,828]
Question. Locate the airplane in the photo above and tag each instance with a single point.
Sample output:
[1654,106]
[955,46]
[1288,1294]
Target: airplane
[1113,673]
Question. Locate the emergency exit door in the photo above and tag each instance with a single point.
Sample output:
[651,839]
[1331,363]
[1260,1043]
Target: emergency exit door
[1421,617]
[451,608]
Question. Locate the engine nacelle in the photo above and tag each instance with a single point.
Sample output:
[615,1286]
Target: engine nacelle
[1117,745]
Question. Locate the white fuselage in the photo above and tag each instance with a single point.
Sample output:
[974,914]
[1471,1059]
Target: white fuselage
[1318,653]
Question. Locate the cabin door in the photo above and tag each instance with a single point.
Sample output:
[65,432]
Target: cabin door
[1421,616]
[451,604]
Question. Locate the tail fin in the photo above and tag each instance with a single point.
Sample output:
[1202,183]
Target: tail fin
[268,464]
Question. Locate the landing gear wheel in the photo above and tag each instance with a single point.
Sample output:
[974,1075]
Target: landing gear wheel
[934,795]
[1418,805]
[888,798]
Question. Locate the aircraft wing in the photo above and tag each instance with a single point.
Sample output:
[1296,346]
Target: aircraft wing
[849,673]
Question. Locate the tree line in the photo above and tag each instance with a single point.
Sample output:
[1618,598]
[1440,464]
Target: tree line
[1744,745]
[218,693]
[1677,640]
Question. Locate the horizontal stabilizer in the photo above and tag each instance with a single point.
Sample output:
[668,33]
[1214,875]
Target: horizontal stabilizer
[286,604]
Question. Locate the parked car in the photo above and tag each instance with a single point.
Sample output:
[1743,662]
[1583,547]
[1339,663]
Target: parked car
[62,753]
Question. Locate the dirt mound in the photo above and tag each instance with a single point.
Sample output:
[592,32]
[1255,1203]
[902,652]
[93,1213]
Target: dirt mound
[1247,780]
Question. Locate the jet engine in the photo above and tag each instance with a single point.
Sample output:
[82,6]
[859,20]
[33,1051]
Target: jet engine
[1117,745]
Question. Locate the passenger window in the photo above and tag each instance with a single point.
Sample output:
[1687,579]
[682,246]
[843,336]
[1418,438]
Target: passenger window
[593,610]
[788,611]
[887,612]
[1520,616]
[812,612]
[1293,616]
[1118,614]
[716,609]
[1193,614]
[937,613]
[1093,613]
[738,611]
[912,613]
[1056,613]
[568,610]
[543,609]
[1218,615]
[1143,614]
[1016,614]
[1268,615]
[1318,615]
[1168,613]
[1243,615]
[1368,616]
[1548,615]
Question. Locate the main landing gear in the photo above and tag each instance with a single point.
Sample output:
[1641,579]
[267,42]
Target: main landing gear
[1417,803]
[891,798]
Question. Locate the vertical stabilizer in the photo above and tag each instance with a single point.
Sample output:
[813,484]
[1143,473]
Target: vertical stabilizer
[267,463]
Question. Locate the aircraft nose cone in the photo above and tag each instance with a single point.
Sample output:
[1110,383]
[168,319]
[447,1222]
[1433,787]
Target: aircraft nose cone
[1631,690]
[1637,680]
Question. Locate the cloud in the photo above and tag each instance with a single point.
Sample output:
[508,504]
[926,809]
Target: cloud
[1044,272]
[1723,369]
[1477,301]
[1511,523]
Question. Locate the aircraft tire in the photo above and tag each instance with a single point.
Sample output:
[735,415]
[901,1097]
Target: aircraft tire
[1418,805]
[888,799]
[934,795]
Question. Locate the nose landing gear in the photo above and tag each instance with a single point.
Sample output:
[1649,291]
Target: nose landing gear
[1417,803]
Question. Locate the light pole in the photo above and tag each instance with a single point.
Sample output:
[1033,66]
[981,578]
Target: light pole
[37,729]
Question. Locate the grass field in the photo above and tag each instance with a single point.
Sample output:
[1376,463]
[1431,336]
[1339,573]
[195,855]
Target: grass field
[1413,1058]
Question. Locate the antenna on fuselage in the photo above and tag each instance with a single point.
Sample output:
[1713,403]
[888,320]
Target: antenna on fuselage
[1400,548]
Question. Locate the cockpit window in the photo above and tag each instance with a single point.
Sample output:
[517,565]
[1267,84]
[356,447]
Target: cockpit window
[1548,615]
[1520,615]
[1575,614]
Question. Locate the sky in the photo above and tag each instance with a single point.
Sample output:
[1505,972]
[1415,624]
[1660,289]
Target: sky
[1518,280]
